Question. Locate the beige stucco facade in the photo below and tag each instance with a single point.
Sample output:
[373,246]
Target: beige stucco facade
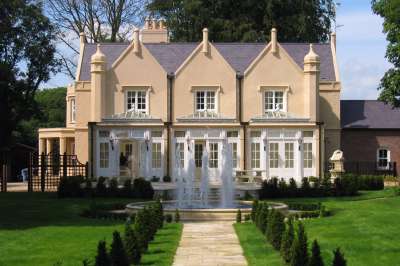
[132,104]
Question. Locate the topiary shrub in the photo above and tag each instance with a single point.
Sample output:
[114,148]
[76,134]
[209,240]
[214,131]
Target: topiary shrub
[338,258]
[113,188]
[101,189]
[315,259]
[177,216]
[141,229]
[254,210]
[239,216]
[132,245]
[287,241]
[277,226]
[118,254]
[305,189]
[292,188]
[70,187]
[142,189]
[263,217]
[102,257]
[167,178]
[247,217]
[168,218]
[299,249]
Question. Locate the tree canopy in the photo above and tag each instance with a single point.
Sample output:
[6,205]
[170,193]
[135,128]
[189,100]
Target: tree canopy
[246,20]
[26,60]
[389,10]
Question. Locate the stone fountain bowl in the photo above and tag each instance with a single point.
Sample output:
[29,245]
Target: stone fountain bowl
[211,213]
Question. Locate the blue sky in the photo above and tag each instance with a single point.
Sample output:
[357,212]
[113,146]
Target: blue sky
[361,49]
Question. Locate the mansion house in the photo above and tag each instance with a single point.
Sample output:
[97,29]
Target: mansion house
[135,106]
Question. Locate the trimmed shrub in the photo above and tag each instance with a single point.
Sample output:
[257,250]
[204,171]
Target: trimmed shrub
[168,218]
[338,258]
[70,187]
[277,226]
[263,217]
[101,189]
[113,188]
[159,215]
[132,245]
[239,216]
[117,254]
[299,248]
[177,216]
[102,257]
[141,229]
[315,259]
[247,217]
[305,189]
[287,241]
[254,210]
[167,178]
[142,189]
[292,188]
[268,230]
[127,189]
[371,182]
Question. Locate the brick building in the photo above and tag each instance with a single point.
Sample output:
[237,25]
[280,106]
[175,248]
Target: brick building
[371,132]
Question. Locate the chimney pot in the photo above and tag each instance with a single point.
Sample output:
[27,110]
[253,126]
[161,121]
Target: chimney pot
[205,40]
[274,42]
[136,42]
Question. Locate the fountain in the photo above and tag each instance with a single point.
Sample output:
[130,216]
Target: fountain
[199,206]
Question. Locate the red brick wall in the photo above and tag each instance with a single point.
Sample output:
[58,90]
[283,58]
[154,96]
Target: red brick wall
[362,145]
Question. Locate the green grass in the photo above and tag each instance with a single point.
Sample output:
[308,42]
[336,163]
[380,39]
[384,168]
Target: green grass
[39,229]
[366,228]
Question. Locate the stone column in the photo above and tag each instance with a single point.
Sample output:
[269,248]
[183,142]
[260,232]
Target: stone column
[63,145]
[49,145]
[42,145]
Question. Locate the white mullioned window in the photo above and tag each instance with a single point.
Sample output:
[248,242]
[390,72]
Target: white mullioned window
[307,154]
[383,158]
[198,154]
[136,100]
[255,155]
[156,155]
[273,100]
[273,155]
[104,154]
[289,155]
[234,154]
[205,101]
[180,147]
[213,161]
[73,110]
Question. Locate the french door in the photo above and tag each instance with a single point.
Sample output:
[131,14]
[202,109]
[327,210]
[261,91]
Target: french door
[282,158]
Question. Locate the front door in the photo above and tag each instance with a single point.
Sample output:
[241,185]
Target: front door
[199,146]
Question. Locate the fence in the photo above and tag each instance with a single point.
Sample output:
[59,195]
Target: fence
[367,168]
[45,171]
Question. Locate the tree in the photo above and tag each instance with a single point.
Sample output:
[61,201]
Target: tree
[315,259]
[26,61]
[287,241]
[253,210]
[251,20]
[141,229]
[276,228]
[264,217]
[389,10]
[50,112]
[102,258]
[132,245]
[338,258]
[105,20]
[117,254]
[299,248]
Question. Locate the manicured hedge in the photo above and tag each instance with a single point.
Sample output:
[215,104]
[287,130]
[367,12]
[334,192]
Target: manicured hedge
[77,186]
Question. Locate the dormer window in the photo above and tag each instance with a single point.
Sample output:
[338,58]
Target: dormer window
[273,101]
[136,100]
[205,101]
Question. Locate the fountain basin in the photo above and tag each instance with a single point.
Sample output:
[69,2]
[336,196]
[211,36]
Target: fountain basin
[199,213]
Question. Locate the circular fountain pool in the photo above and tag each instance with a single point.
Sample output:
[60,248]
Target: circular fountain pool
[212,212]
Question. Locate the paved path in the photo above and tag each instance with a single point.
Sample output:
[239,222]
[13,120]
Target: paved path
[209,243]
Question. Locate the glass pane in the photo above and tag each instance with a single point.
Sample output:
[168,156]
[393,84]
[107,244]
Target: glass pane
[289,155]
[198,153]
[273,155]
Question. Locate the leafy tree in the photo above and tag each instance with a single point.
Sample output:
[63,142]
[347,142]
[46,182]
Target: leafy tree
[251,20]
[299,248]
[132,245]
[287,241]
[117,254]
[389,10]
[315,259]
[26,61]
[239,216]
[102,258]
[338,258]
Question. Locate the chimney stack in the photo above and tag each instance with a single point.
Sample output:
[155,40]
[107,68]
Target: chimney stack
[136,42]
[205,41]
[274,42]
[154,31]
[333,40]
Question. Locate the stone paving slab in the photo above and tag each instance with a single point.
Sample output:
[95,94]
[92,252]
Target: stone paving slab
[209,243]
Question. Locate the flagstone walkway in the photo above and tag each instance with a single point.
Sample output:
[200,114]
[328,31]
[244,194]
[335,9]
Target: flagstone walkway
[209,243]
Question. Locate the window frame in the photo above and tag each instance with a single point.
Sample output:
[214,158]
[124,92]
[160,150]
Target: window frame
[136,91]
[279,88]
[213,160]
[104,155]
[255,161]
[206,89]
[378,158]
[156,155]
[307,160]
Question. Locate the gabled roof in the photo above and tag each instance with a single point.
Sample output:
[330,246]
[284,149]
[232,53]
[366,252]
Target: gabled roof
[238,55]
[370,114]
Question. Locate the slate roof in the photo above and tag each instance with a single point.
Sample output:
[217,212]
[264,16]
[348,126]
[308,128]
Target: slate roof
[238,55]
[370,114]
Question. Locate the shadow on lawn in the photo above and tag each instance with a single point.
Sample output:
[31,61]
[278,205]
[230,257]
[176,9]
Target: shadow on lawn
[28,210]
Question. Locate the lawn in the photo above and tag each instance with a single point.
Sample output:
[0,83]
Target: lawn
[366,227]
[39,229]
